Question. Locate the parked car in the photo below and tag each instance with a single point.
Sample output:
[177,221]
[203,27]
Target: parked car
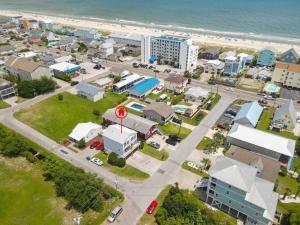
[151,207]
[172,140]
[83,70]
[97,161]
[99,146]
[135,65]
[98,67]
[114,214]
[151,68]
[154,144]
[94,144]
[298,101]
[229,115]
[269,97]
[176,120]
[88,158]
[263,101]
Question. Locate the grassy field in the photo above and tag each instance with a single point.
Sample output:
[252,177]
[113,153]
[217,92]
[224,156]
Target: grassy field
[287,182]
[204,143]
[195,120]
[193,170]
[3,105]
[172,129]
[128,171]
[160,155]
[265,122]
[56,118]
[26,198]
[147,219]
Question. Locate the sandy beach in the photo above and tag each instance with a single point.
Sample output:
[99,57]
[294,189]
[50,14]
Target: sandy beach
[197,38]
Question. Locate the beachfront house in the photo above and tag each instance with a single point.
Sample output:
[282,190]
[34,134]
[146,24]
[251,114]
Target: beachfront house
[25,69]
[123,143]
[127,39]
[89,91]
[177,52]
[144,127]
[211,54]
[45,24]
[159,112]
[238,189]
[249,114]
[196,94]
[176,83]
[226,54]
[85,33]
[273,146]
[287,75]
[214,67]
[51,39]
[285,116]
[85,131]
[143,88]
[266,57]
[290,56]
[235,64]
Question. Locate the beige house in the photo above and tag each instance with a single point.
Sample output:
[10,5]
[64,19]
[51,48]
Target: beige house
[26,69]
[159,112]
[285,116]
[176,83]
[215,67]
[287,74]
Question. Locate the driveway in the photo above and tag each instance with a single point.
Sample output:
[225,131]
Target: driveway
[197,156]
[160,139]
[144,162]
[185,179]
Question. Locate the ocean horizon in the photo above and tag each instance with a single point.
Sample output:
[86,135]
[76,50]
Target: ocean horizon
[268,20]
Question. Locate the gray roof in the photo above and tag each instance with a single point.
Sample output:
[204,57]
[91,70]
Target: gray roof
[131,121]
[160,108]
[249,111]
[269,49]
[89,89]
[292,50]
[258,191]
[286,108]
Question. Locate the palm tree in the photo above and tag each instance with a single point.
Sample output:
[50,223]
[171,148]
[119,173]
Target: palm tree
[287,192]
[297,192]
[206,162]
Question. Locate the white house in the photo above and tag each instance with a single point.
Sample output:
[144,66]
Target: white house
[89,91]
[120,142]
[196,94]
[106,49]
[87,33]
[86,131]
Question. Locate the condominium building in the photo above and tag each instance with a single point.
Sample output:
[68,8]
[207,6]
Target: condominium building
[175,51]
[235,64]
[266,57]
[287,74]
[240,190]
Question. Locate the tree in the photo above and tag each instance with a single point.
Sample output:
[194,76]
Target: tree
[187,74]
[81,144]
[117,78]
[297,192]
[60,97]
[206,163]
[287,192]
[115,160]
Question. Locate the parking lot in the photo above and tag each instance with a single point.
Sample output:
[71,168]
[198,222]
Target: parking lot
[226,117]
[90,71]
[290,94]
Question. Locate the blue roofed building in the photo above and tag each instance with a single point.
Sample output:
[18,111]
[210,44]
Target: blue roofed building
[89,91]
[249,114]
[290,56]
[266,57]
[144,87]
[65,68]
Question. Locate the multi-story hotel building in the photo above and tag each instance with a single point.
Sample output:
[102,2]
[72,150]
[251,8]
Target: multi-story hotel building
[287,74]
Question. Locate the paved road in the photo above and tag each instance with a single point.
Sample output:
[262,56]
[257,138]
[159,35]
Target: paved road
[137,194]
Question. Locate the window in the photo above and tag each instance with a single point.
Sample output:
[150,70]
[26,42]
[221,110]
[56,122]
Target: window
[227,192]
[229,186]
[229,201]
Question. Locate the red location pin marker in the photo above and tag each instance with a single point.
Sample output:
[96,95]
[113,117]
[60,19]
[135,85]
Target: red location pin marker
[121,112]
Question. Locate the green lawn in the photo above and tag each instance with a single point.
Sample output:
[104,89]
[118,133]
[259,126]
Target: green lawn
[287,182]
[132,111]
[265,122]
[56,118]
[147,219]
[160,155]
[172,129]
[296,163]
[195,120]
[286,209]
[128,171]
[215,99]
[193,170]
[3,105]
[204,143]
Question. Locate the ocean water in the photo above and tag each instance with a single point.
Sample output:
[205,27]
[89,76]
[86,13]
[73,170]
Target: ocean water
[276,20]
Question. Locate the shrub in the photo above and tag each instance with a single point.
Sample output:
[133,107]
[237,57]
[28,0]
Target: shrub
[63,77]
[96,112]
[283,172]
[115,160]
[81,144]
[73,83]
[60,97]
[31,158]
[117,79]
[31,88]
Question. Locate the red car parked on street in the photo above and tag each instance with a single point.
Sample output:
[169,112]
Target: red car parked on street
[151,207]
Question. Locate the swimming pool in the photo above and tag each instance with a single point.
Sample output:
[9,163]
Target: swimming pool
[271,88]
[135,106]
[181,109]
[144,86]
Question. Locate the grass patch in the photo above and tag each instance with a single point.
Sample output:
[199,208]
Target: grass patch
[172,129]
[195,120]
[287,209]
[132,111]
[56,118]
[215,99]
[147,219]
[287,182]
[204,143]
[250,89]
[3,105]
[296,163]
[193,170]
[160,155]
[265,122]
[128,171]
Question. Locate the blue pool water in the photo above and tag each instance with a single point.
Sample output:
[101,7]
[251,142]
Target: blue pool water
[137,106]
[145,85]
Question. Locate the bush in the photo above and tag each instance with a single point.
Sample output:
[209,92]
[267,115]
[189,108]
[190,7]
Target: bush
[176,99]
[28,155]
[60,97]
[283,172]
[63,77]
[96,112]
[81,144]
[31,88]
[73,83]
[115,160]
[117,79]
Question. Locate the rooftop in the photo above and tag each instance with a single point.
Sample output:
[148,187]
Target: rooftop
[289,108]
[288,66]
[22,64]
[198,92]
[263,139]
[64,66]
[160,108]
[82,129]
[113,132]
[88,88]
[176,79]
[250,111]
